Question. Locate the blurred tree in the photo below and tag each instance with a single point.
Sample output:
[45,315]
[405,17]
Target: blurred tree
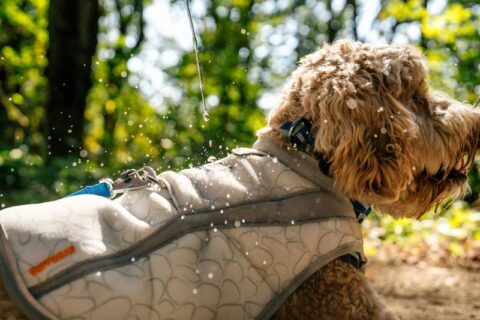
[231,94]
[73,27]
[130,22]
[23,42]
[121,106]
[240,41]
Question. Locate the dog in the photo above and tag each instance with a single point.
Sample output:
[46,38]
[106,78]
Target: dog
[356,118]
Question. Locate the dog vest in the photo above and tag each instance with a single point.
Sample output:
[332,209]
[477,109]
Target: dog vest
[231,239]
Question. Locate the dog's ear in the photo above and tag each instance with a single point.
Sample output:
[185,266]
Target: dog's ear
[361,100]
[368,140]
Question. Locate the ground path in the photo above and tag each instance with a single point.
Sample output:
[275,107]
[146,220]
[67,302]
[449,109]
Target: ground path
[425,292]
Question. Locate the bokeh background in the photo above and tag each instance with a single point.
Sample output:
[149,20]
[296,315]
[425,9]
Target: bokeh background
[89,88]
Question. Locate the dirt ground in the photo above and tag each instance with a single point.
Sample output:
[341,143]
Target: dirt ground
[422,291]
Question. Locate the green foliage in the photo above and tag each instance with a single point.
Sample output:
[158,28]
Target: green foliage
[23,43]
[454,229]
[450,40]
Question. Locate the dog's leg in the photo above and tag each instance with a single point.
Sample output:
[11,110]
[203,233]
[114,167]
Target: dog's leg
[338,291]
[8,310]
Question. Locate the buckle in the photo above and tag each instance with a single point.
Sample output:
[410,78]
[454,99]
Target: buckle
[134,179]
[299,134]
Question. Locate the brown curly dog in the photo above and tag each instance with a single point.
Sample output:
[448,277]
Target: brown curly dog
[389,142]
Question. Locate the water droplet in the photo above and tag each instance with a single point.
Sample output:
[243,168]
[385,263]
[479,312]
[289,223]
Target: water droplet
[228,195]
[182,217]
[383,131]
[352,104]
[274,160]
[195,291]
[98,274]
[238,224]
[210,275]
[206,116]
[380,109]
[264,262]
[212,159]
[133,259]
[215,229]
[3,205]
[292,222]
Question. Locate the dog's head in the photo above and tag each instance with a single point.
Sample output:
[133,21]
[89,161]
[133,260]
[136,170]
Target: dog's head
[389,141]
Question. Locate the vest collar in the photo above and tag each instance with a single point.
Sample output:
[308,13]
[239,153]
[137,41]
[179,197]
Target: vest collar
[298,161]
[308,167]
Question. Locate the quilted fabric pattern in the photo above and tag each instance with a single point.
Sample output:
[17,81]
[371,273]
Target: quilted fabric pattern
[228,239]
[230,273]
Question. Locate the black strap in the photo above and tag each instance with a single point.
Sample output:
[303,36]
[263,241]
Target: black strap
[356,262]
[298,133]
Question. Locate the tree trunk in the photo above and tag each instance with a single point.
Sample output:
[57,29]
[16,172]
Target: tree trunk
[73,27]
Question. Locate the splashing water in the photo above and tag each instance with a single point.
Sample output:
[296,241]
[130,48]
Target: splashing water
[205,115]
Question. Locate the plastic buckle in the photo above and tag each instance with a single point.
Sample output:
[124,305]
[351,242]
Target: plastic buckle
[299,133]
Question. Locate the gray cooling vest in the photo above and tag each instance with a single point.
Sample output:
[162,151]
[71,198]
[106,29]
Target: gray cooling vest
[230,240]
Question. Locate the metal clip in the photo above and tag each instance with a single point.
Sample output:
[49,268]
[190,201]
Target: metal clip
[133,179]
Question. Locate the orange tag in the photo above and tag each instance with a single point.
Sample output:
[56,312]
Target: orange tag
[52,260]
